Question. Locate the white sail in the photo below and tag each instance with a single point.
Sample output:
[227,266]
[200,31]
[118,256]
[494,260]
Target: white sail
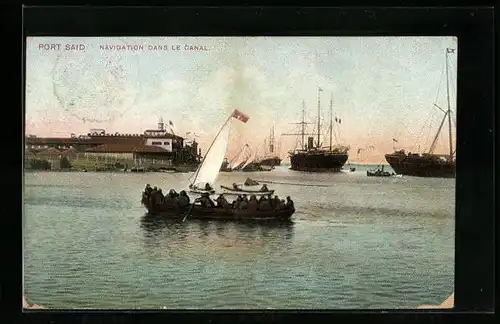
[250,160]
[210,166]
[242,157]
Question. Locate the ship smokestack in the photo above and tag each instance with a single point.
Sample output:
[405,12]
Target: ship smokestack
[161,125]
[310,142]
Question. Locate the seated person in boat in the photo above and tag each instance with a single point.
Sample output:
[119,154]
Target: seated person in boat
[236,203]
[282,204]
[276,202]
[271,201]
[205,201]
[289,203]
[145,194]
[244,198]
[208,187]
[171,198]
[243,203]
[221,201]
[183,199]
[156,197]
[264,188]
[253,204]
[235,187]
[265,204]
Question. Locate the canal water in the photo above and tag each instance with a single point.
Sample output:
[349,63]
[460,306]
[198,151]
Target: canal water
[356,242]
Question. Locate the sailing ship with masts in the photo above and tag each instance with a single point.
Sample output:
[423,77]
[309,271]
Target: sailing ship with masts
[429,164]
[270,159]
[314,157]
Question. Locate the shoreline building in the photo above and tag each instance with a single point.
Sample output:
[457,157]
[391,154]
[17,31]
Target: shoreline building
[155,148]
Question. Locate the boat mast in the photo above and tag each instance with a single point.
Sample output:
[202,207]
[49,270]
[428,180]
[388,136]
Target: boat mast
[271,141]
[303,128]
[303,124]
[449,50]
[319,115]
[331,119]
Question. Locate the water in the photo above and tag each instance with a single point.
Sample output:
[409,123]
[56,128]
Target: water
[356,242]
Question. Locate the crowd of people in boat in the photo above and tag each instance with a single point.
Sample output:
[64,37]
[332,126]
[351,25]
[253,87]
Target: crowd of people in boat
[154,197]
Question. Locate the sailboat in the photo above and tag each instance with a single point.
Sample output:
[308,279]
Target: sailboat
[428,164]
[237,161]
[313,157]
[203,179]
[202,183]
[252,164]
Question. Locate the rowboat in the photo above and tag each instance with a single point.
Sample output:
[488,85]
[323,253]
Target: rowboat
[217,213]
[247,191]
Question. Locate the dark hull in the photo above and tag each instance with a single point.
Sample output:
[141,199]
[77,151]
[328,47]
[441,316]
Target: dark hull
[214,213]
[378,174]
[318,162]
[271,161]
[419,166]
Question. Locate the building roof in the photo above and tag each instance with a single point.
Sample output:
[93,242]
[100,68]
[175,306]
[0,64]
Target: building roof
[29,154]
[49,152]
[126,148]
[70,152]
[96,140]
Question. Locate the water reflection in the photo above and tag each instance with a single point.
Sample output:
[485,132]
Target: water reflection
[159,231]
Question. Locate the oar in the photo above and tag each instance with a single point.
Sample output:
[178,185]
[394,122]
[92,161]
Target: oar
[189,212]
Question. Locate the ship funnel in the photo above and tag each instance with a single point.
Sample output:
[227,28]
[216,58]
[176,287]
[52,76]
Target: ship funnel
[310,142]
[161,125]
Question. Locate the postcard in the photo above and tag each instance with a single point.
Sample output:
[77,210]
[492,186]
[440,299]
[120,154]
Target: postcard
[239,172]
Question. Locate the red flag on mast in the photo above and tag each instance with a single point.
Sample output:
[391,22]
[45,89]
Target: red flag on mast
[240,116]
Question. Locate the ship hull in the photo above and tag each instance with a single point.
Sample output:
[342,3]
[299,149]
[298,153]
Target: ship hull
[318,162]
[272,161]
[418,166]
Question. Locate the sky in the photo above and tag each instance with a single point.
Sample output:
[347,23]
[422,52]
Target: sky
[382,88]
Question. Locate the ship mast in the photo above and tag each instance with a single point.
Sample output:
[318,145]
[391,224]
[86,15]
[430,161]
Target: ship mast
[271,140]
[303,128]
[319,115]
[449,50]
[302,124]
[331,119]
[447,113]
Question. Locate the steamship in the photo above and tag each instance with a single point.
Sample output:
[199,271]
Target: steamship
[270,159]
[428,164]
[314,157]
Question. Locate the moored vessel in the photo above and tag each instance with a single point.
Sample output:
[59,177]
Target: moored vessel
[379,172]
[313,157]
[270,158]
[428,164]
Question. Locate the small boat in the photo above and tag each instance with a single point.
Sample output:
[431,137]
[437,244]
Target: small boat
[201,192]
[379,172]
[217,213]
[247,191]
